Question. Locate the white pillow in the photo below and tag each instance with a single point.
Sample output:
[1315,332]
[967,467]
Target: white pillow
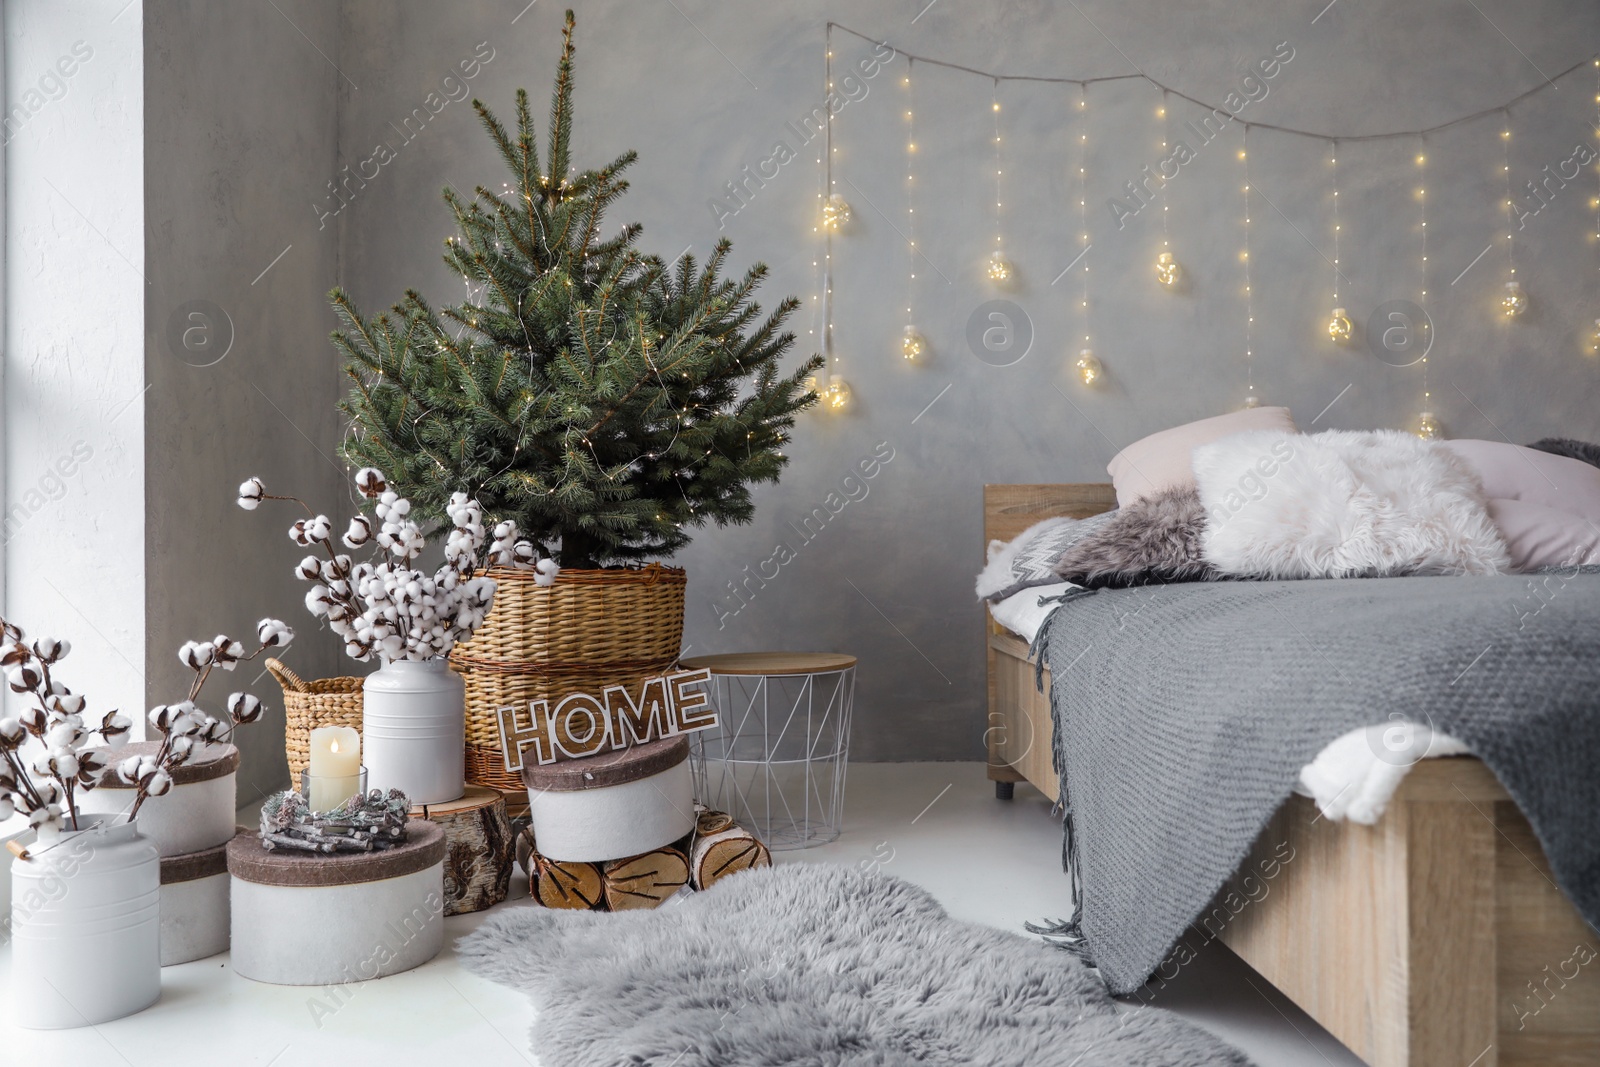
[1343,504]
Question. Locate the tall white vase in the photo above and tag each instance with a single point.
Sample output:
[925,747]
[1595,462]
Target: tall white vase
[413,733]
[85,926]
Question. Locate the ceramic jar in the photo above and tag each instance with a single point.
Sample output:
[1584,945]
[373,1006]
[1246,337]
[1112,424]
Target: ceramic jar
[85,926]
[413,733]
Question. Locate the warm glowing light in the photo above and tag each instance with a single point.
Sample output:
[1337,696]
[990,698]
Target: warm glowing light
[1167,270]
[912,345]
[1427,426]
[999,268]
[1340,329]
[1514,301]
[835,212]
[1089,368]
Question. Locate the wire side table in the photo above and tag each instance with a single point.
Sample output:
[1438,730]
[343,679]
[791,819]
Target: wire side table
[776,759]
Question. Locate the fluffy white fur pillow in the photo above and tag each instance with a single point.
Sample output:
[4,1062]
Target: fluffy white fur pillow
[1343,504]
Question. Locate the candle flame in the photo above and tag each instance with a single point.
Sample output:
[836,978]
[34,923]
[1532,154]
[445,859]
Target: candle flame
[333,746]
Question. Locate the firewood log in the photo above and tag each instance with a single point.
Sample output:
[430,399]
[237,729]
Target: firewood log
[723,853]
[645,881]
[572,884]
[712,822]
[525,849]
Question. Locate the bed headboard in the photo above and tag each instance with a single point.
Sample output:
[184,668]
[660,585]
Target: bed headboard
[1010,509]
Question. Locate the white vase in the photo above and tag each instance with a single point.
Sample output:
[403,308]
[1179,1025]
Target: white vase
[413,732]
[85,926]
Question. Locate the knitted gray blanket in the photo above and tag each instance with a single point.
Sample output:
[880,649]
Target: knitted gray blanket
[1183,714]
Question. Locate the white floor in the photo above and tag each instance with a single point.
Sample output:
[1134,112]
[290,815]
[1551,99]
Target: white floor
[936,824]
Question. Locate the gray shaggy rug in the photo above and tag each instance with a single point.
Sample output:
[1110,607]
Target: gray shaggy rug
[813,964]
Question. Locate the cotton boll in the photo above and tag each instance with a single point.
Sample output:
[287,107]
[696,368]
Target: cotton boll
[11,732]
[65,764]
[297,533]
[244,707]
[359,533]
[317,600]
[159,784]
[23,678]
[48,649]
[251,491]
[319,529]
[370,483]
[128,769]
[67,703]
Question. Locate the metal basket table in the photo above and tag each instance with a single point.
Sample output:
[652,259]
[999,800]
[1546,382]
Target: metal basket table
[776,759]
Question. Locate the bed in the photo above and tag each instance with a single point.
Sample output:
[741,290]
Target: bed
[1436,936]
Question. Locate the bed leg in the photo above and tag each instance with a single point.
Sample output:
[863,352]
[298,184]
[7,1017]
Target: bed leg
[1005,790]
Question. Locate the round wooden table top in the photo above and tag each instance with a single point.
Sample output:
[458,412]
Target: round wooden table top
[770,663]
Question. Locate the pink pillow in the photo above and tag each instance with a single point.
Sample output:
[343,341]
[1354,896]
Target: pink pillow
[1512,472]
[1161,461]
[1541,536]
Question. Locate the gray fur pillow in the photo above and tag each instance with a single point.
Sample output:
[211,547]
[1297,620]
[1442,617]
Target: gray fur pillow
[1566,446]
[1151,541]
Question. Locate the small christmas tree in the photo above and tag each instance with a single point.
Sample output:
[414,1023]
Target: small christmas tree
[606,401]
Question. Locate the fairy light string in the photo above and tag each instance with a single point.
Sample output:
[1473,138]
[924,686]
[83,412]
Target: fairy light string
[1167,268]
[1340,328]
[998,267]
[1514,301]
[912,343]
[1427,426]
[1250,398]
[1089,368]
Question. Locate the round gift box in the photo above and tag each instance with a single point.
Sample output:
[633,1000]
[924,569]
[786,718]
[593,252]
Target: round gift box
[196,814]
[194,905]
[303,918]
[613,805]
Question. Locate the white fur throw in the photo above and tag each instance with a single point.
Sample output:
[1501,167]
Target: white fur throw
[1343,504]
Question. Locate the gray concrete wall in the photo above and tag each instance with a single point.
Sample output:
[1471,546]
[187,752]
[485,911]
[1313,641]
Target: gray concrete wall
[241,121]
[703,89]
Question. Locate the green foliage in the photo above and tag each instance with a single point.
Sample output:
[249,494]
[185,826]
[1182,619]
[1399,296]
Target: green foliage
[603,399]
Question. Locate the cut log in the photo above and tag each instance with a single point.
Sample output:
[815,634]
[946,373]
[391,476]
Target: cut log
[573,885]
[726,852]
[478,849]
[525,851]
[645,881]
[712,822]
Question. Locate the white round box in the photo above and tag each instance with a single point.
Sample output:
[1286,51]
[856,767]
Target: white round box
[194,905]
[612,805]
[196,814]
[303,918]
[413,730]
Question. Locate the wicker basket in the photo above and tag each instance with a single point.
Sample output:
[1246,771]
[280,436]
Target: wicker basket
[325,702]
[591,629]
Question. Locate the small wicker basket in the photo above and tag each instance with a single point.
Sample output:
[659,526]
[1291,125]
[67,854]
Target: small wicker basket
[325,702]
[589,630]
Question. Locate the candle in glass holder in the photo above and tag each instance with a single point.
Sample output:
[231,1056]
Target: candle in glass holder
[335,771]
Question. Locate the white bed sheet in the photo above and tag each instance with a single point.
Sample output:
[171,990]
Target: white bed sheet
[1352,778]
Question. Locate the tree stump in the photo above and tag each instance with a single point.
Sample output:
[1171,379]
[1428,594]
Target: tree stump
[645,881]
[478,849]
[717,855]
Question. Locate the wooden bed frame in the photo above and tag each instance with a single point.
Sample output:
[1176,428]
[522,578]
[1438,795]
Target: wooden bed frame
[1435,938]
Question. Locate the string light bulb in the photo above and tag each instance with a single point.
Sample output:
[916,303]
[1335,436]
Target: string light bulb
[837,396]
[1089,369]
[998,266]
[1427,426]
[1167,270]
[1513,300]
[1340,329]
[835,212]
[912,344]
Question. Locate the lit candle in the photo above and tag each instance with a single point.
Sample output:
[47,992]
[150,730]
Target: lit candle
[335,770]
